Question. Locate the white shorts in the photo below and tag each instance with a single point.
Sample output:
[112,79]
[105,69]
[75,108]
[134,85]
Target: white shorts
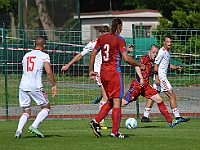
[25,97]
[97,68]
[164,85]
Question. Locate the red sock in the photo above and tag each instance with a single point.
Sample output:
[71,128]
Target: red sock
[103,112]
[164,112]
[116,119]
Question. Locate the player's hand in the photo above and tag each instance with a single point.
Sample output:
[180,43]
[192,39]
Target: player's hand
[54,90]
[157,81]
[142,67]
[141,82]
[130,47]
[65,67]
[179,68]
[93,75]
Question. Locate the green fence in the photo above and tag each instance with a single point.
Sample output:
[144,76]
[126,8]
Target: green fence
[76,91]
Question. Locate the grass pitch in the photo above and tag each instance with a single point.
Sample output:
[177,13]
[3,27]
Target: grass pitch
[77,135]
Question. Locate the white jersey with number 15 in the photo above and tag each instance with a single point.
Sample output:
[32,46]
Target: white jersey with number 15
[33,63]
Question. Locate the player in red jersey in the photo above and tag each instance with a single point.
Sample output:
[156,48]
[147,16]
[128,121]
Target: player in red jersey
[141,86]
[113,48]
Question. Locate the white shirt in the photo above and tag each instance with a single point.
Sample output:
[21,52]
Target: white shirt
[162,60]
[89,47]
[33,63]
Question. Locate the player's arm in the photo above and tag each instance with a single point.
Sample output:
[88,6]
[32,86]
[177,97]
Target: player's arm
[50,76]
[139,73]
[75,59]
[158,59]
[92,60]
[88,48]
[156,74]
[179,68]
[131,61]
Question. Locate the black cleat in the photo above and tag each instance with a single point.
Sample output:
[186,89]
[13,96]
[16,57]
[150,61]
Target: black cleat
[119,135]
[145,119]
[183,119]
[96,128]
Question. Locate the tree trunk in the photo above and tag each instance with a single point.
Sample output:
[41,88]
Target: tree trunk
[46,20]
[12,25]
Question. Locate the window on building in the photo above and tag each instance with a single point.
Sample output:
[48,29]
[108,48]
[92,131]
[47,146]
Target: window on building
[95,31]
[142,33]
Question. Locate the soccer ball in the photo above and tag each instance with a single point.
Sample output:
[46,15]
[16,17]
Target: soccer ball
[131,123]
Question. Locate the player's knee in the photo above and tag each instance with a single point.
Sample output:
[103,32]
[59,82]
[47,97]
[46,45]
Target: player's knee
[47,106]
[27,111]
[124,103]
[48,110]
[26,114]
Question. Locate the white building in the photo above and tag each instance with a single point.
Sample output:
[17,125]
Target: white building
[147,18]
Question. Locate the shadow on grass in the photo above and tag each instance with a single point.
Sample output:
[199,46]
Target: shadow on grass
[46,136]
[150,127]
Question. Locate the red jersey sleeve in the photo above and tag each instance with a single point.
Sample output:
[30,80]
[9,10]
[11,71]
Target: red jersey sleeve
[122,45]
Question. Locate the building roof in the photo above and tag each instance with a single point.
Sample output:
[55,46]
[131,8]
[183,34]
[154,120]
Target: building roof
[147,13]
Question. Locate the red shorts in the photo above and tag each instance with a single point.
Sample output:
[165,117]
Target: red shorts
[113,83]
[136,90]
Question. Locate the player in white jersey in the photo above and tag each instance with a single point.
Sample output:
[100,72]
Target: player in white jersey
[97,66]
[31,87]
[161,64]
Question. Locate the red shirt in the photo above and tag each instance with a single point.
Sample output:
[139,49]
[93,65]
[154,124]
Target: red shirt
[112,46]
[145,59]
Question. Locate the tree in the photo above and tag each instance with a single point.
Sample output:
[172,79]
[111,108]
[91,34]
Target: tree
[6,6]
[46,20]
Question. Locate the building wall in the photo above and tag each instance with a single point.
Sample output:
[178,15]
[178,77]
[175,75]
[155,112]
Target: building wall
[90,26]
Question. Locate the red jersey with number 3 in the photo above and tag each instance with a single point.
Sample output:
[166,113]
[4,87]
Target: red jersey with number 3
[33,63]
[112,46]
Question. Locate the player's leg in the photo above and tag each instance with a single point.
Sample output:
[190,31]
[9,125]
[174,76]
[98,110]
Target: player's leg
[102,99]
[117,92]
[116,118]
[41,99]
[164,110]
[132,94]
[173,105]
[149,105]
[100,116]
[24,101]
[102,96]
[147,110]
[102,102]
[94,124]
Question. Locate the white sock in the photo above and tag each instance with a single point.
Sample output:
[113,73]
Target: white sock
[22,121]
[175,112]
[40,117]
[147,112]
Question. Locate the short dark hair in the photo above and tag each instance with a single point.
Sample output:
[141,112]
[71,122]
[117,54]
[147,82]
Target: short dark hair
[104,29]
[40,41]
[153,45]
[167,36]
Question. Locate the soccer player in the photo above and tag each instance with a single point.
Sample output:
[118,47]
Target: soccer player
[98,60]
[113,48]
[31,87]
[161,64]
[141,86]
